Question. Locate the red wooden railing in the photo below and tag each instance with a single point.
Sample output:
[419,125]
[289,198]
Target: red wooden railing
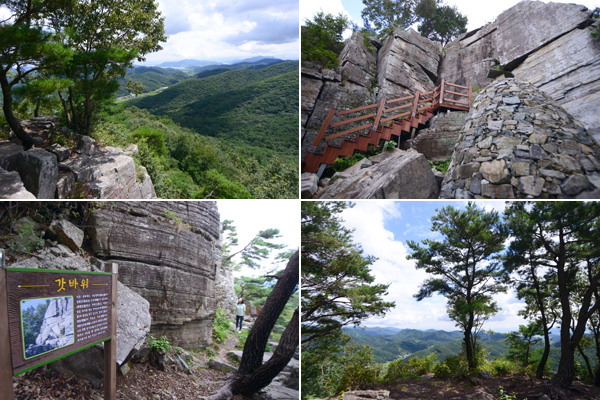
[445,95]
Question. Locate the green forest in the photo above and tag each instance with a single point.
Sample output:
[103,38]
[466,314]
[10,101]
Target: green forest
[547,252]
[232,134]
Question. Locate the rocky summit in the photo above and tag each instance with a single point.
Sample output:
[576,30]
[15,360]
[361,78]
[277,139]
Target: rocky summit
[550,108]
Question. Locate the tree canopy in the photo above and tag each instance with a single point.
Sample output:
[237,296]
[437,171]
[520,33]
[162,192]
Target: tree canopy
[87,44]
[322,39]
[464,266]
[435,20]
[338,288]
[562,238]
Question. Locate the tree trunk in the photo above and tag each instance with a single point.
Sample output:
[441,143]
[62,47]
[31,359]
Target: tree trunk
[566,367]
[36,112]
[252,375]
[65,107]
[539,374]
[248,384]
[12,121]
[73,111]
[469,350]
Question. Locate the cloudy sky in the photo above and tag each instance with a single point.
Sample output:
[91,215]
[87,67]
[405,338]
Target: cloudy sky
[231,29]
[382,228]
[479,12]
[252,216]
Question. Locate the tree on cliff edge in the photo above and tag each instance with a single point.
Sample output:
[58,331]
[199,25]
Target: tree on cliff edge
[252,375]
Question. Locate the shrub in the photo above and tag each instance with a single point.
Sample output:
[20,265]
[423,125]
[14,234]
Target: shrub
[221,326]
[441,165]
[159,344]
[458,366]
[441,370]
[341,163]
[502,367]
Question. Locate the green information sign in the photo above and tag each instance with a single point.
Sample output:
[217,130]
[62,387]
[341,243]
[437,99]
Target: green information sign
[50,314]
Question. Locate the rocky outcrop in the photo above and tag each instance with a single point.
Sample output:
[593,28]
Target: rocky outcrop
[169,253]
[406,62]
[56,171]
[393,174]
[437,141]
[547,44]
[348,86]
[519,143]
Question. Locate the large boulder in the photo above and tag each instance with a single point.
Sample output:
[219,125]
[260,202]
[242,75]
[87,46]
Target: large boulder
[437,141]
[518,143]
[67,233]
[110,174]
[393,174]
[39,172]
[12,187]
[547,44]
[177,277]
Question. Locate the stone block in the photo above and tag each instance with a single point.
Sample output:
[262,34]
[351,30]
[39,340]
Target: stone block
[39,172]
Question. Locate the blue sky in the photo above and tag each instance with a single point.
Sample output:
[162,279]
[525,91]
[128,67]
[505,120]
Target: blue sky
[382,229]
[479,12]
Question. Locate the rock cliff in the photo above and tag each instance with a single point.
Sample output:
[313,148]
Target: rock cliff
[169,252]
[547,45]
[80,169]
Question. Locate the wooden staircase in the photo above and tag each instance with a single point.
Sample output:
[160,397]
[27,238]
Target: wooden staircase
[387,122]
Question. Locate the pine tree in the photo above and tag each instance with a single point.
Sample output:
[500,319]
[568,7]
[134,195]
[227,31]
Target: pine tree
[464,267]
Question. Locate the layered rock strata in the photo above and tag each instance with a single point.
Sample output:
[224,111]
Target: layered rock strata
[547,44]
[519,143]
[168,252]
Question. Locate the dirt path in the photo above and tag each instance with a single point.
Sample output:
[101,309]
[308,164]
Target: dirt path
[142,382]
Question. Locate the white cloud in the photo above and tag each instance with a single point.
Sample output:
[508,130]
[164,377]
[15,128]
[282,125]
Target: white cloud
[217,31]
[369,219]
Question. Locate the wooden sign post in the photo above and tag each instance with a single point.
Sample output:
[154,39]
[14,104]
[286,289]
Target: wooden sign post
[46,315]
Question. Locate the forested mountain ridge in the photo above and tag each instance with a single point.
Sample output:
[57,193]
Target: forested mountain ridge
[251,107]
[151,77]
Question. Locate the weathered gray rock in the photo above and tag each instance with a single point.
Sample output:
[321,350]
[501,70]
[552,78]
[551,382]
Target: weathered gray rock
[65,185]
[12,187]
[401,175]
[177,277]
[110,174]
[9,153]
[67,233]
[133,321]
[61,152]
[406,62]
[39,172]
[309,185]
[537,150]
[437,141]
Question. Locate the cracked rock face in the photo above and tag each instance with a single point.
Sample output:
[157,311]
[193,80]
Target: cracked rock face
[518,143]
[178,276]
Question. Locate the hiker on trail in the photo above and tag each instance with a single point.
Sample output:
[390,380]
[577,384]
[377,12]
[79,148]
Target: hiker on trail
[239,318]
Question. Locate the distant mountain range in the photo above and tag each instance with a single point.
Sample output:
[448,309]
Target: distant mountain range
[391,343]
[188,63]
[255,106]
